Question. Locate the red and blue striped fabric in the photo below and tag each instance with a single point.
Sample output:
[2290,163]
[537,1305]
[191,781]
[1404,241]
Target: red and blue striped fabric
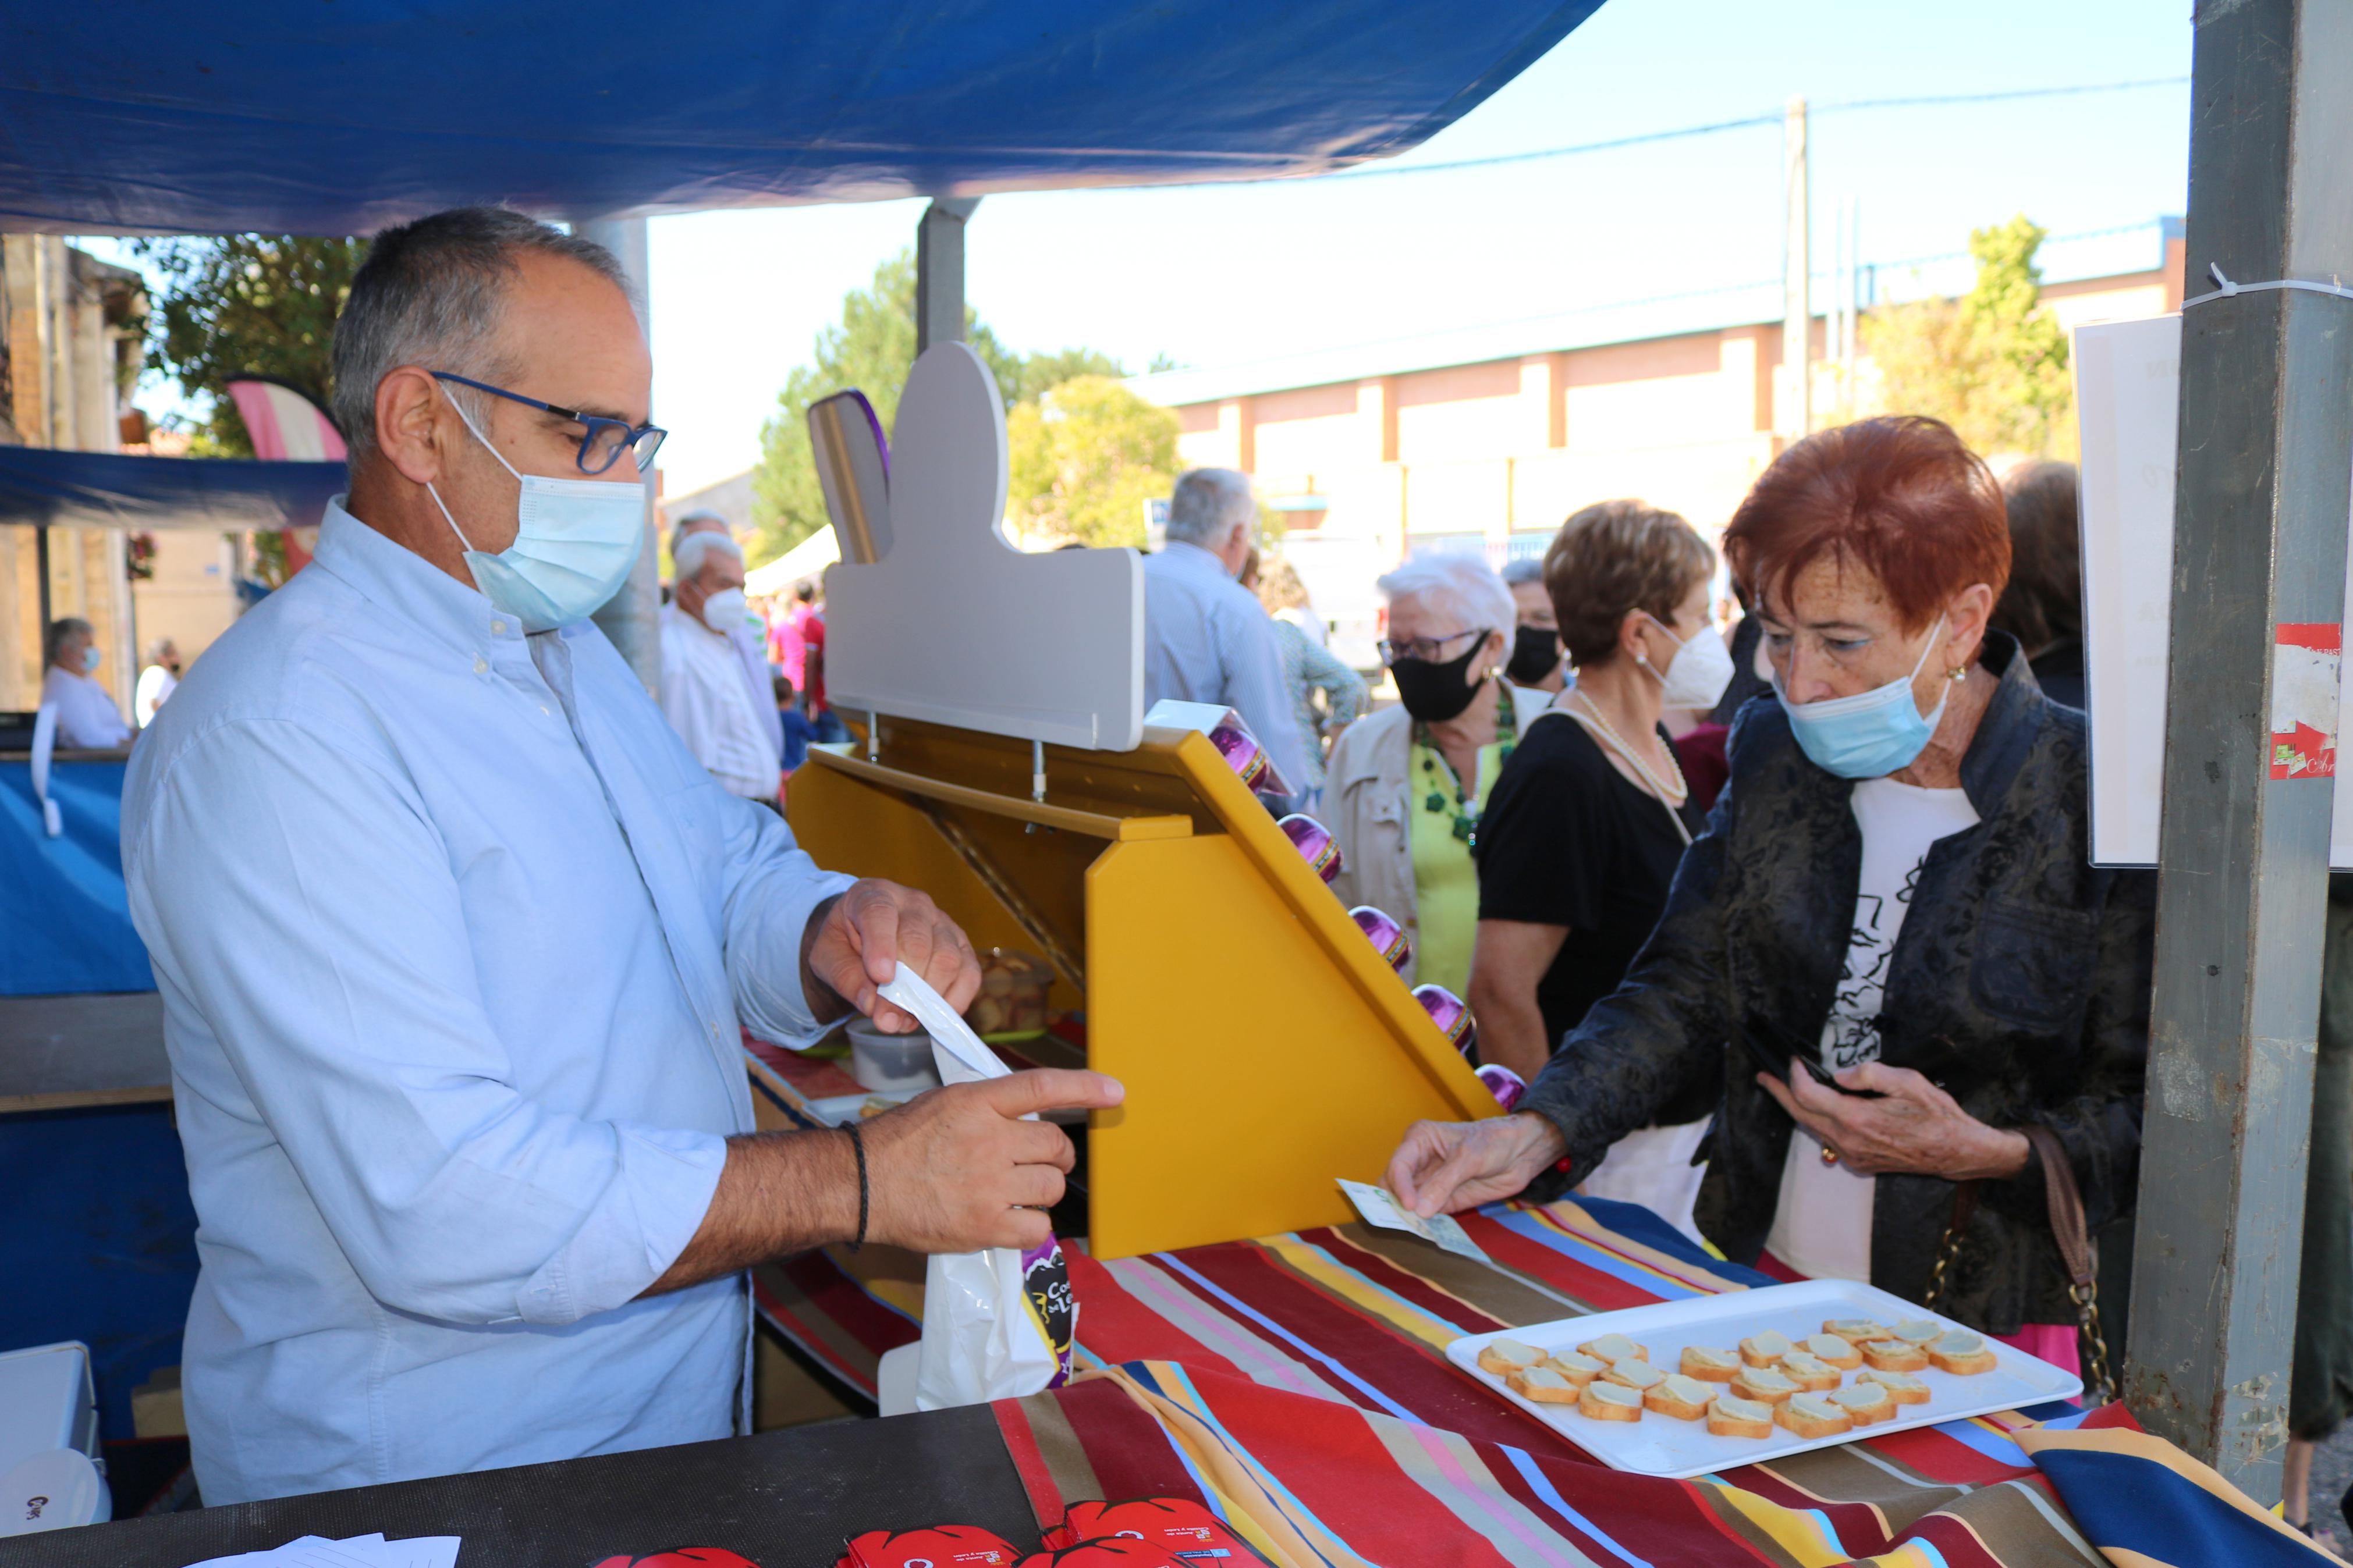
[2147,1504]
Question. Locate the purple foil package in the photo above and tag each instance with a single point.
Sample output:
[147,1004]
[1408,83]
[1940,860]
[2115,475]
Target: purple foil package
[1386,936]
[1448,1012]
[1504,1084]
[1315,845]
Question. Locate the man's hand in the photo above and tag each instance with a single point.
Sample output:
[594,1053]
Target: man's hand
[857,941]
[1443,1167]
[956,1169]
[1916,1127]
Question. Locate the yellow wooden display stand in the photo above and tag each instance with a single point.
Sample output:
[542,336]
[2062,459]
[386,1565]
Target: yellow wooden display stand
[1266,1047]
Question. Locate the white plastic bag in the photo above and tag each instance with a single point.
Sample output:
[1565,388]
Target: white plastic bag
[997,1324]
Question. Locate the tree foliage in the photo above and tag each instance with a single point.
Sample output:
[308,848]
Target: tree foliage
[246,304]
[872,347]
[1085,455]
[1993,363]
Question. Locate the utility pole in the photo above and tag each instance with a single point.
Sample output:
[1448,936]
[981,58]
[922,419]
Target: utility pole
[1796,416]
[2259,538]
[631,618]
[939,271]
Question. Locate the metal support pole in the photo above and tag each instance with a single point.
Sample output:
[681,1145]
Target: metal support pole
[631,618]
[1797,279]
[939,271]
[2260,521]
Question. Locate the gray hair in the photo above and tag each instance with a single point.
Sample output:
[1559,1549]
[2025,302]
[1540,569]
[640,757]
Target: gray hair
[1526,569]
[430,294]
[54,639]
[1458,585]
[1208,504]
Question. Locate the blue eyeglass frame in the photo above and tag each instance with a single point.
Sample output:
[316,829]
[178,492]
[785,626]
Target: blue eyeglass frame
[596,424]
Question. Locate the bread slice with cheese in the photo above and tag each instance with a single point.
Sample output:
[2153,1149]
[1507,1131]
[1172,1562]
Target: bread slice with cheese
[1504,1357]
[1766,1385]
[1635,1375]
[1602,1400]
[1901,1386]
[1894,1355]
[1766,1349]
[1834,1349]
[1684,1398]
[1813,1416]
[1614,1347]
[1543,1385]
[1576,1366]
[1730,1416]
[1865,1403]
[1857,1331]
[1810,1371]
[1920,1331]
[1961,1353]
[1710,1365]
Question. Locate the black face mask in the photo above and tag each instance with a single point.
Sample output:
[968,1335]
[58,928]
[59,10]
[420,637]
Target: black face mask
[1432,692]
[1536,654]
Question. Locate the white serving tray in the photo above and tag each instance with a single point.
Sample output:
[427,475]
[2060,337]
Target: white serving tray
[1661,1445]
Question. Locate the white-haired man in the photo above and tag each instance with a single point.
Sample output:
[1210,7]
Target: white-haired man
[715,689]
[1206,637]
[453,936]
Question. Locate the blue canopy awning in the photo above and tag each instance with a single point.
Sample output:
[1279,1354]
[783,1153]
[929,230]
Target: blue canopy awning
[103,490]
[289,116]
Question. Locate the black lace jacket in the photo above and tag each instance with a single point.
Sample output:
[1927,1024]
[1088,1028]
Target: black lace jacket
[2020,982]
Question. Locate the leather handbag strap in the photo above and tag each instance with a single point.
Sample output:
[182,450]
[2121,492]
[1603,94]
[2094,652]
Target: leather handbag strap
[2067,1202]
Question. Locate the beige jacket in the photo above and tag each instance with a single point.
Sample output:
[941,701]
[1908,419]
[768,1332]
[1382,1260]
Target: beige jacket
[1365,807]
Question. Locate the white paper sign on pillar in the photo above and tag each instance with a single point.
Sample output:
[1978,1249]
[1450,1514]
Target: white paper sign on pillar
[2127,385]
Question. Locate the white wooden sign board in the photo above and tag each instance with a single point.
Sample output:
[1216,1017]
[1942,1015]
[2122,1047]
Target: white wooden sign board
[954,626]
[2127,384]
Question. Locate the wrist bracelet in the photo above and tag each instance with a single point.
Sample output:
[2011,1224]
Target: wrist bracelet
[858,1146]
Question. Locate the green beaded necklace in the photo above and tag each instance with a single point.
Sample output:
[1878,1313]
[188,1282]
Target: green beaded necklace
[1465,827]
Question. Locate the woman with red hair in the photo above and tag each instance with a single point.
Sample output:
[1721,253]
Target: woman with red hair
[1890,924]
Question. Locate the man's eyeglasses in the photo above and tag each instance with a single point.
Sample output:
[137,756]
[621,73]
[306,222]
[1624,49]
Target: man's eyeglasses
[606,438]
[1431,650]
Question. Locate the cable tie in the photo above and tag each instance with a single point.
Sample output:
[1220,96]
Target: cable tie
[2230,288]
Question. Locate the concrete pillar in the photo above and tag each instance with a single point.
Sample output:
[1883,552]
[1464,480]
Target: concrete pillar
[631,618]
[1238,432]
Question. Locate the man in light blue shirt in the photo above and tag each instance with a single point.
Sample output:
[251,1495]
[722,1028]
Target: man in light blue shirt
[1206,637]
[454,937]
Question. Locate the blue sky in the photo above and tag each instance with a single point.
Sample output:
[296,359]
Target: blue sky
[1214,276]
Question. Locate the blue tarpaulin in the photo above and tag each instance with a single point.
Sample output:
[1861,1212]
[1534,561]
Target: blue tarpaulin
[65,922]
[102,489]
[293,116]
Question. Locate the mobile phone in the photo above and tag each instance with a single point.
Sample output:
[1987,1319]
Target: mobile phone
[1776,1063]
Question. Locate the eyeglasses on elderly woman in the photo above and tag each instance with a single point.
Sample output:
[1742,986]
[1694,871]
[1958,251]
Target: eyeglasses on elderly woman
[1434,649]
[605,439]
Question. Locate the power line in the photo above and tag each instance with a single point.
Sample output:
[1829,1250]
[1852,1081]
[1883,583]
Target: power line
[1745,123]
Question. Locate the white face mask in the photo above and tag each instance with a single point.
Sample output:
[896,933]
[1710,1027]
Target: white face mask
[574,542]
[724,611]
[1699,672]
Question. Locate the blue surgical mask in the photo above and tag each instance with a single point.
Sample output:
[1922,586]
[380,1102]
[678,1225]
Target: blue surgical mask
[574,542]
[1872,734]
[90,660]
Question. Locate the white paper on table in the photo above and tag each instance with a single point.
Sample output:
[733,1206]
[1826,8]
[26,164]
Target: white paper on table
[356,1551]
[1379,1206]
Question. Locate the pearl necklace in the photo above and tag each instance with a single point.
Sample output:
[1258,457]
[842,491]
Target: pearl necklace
[1591,716]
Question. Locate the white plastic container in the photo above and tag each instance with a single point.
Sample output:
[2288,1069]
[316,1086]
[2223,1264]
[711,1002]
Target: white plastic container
[889,1063]
[50,1473]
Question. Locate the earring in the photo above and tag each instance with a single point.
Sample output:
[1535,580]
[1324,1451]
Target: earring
[1958,672]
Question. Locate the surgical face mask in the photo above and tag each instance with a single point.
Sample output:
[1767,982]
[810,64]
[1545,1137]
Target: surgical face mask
[1699,672]
[90,660]
[1872,734]
[1536,654]
[1434,693]
[574,542]
[725,610]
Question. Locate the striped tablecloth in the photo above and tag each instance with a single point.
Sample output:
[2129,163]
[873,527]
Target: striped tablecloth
[1298,1384]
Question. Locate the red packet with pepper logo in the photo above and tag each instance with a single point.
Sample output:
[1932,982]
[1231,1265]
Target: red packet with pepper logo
[941,1546]
[684,1557]
[1182,1531]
